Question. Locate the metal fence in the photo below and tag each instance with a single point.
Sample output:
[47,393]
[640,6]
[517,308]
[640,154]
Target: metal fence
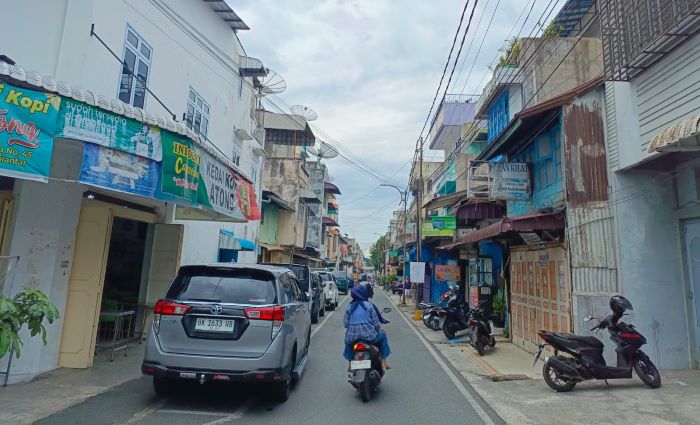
[637,33]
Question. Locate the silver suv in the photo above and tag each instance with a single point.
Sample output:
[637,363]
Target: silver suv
[230,322]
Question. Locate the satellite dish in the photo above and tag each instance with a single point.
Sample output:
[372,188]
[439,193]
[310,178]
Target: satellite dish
[305,112]
[273,83]
[322,150]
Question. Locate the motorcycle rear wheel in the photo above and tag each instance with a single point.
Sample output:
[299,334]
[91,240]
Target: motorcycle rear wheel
[647,372]
[479,345]
[555,382]
[365,389]
[450,328]
[434,322]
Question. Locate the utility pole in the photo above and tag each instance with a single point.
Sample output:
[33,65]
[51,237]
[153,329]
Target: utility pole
[419,210]
[404,199]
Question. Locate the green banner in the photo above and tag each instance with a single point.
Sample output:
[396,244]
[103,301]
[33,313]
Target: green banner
[393,253]
[428,230]
[27,124]
[448,222]
[81,121]
[181,169]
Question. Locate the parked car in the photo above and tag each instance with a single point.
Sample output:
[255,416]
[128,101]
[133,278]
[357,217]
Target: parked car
[317,290]
[309,285]
[230,322]
[330,291]
[342,281]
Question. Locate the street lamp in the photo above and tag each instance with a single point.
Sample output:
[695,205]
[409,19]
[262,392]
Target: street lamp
[404,199]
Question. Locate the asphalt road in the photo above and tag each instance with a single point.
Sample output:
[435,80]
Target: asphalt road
[421,388]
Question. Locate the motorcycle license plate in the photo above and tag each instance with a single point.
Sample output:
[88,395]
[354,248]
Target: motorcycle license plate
[360,364]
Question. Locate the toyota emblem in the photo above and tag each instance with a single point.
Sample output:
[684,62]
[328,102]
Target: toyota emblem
[216,309]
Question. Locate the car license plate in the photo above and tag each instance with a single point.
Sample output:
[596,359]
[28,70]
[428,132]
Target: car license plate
[214,325]
[360,364]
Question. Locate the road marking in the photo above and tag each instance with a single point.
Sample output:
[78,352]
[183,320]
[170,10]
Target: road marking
[147,411]
[328,316]
[470,399]
[238,414]
[191,412]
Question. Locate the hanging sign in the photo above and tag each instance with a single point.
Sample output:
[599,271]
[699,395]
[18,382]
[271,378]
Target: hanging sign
[117,170]
[428,230]
[510,181]
[91,124]
[197,177]
[417,272]
[447,273]
[448,222]
[27,124]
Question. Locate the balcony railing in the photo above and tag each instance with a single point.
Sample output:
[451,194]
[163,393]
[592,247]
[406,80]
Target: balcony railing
[636,37]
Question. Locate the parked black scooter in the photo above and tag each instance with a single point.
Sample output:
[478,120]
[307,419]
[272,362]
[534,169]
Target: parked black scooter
[480,335]
[456,319]
[562,373]
[434,314]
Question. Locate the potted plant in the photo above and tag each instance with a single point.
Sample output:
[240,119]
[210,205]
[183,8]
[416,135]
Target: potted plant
[499,308]
[29,307]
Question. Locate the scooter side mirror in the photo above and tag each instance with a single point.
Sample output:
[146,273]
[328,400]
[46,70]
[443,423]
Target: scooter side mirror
[587,318]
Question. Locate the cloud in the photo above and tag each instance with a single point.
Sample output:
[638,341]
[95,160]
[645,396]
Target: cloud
[370,69]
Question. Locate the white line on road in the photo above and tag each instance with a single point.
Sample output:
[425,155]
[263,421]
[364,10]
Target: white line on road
[238,414]
[328,316]
[145,412]
[470,399]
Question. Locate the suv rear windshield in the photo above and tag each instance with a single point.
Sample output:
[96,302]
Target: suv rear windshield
[301,273]
[224,285]
[326,276]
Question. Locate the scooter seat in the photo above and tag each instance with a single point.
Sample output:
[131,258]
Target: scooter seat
[585,340]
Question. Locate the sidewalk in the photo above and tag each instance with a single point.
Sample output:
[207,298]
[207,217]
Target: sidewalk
[61,388]
[506,380]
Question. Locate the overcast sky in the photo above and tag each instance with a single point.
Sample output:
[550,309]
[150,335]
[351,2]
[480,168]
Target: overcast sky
[370,69]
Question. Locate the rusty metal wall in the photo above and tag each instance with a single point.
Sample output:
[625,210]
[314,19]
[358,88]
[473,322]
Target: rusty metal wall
[584,150]
[540,293]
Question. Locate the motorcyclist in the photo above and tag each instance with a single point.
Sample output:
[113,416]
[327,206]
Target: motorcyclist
[363,322]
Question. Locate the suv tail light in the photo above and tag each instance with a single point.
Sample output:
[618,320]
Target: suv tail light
[168,308]
[275,314]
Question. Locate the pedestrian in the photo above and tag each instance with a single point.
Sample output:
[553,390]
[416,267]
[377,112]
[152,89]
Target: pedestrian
[407,289]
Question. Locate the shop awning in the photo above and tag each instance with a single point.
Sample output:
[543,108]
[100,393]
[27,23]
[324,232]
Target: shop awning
[228,240]
[684,135]
[327,221]
[447,200]
[519,223]
[305,256]
[271,247]
[330,187]
[273,198]
[483,210]
[309,196]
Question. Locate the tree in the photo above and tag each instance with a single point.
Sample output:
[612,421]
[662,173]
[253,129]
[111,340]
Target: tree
[375,253]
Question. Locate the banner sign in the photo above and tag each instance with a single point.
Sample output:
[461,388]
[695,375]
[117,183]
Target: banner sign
[447,273]
[448,222]
[427,230]
[27,124]
[192,174]
[417,272]
[91,124]
[511,181]
[117,170]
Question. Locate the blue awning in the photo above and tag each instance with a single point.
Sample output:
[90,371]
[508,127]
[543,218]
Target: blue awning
[228,240]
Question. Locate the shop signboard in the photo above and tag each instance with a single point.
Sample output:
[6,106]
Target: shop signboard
[27,125]
[473,296]
[448,222]
[447,273]
[197,177]
[510,181]
[428,230]
[117,170]
[80,121]
[417,272]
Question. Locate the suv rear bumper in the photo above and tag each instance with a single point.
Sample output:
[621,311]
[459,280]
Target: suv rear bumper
[205,375]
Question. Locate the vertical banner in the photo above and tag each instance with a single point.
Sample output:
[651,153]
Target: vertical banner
[417,272]
[117,170]
[27,124]
[81,121]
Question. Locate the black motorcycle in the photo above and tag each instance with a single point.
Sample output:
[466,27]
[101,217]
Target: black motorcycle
[366,369]
[585,360]
[434,314]
[456,319]
[480,335]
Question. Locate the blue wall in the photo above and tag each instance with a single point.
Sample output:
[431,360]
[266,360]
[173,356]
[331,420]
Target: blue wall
[498,115]
[495,251]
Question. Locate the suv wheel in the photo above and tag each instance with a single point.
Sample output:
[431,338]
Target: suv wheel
[314,316]
[280,390]
[322,308]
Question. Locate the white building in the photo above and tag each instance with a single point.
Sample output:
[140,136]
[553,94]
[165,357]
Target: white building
[78,243]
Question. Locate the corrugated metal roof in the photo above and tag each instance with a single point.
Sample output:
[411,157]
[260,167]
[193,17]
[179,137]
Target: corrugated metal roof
[227,14]
[682,134]
[34,80]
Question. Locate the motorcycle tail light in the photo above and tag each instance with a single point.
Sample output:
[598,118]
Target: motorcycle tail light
[359,347]
[473,322]
[629,335]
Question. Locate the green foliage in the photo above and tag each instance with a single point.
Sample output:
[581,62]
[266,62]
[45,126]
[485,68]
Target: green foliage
[376,252]
[512,50]
[552,30]
[499,303]
[506,332]
[29,307]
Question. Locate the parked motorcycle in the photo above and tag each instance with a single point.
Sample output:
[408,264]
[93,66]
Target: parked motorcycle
[480,335]
[366,371]
[586,361]
[434,314]
[456,319]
